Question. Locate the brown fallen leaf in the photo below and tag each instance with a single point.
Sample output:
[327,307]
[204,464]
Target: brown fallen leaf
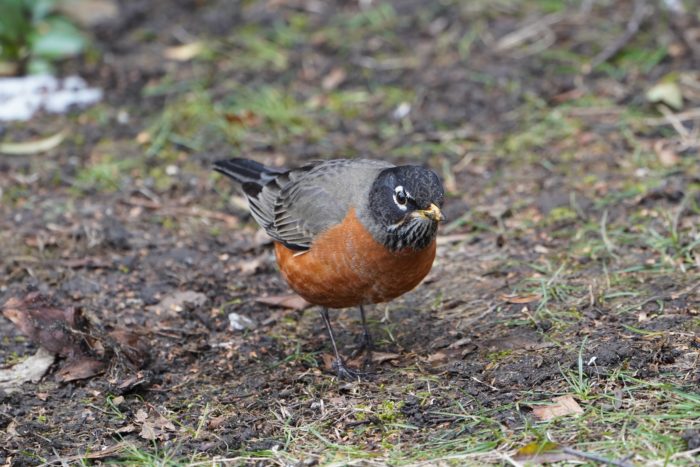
[216,422]
[460,343]
[64,331]
[178,301]
[47,324]
[140,379]
[562,405]
[381,357]
[251,266]
[153,425]
[147,431]
[333,79]
[292,301]
[667,156]
[327,361]
[437,358]
[185,52]
[81,368]
[126,429]
[521,298]
[131,345]
[90,13]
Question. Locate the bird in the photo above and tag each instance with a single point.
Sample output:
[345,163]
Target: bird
[346,232]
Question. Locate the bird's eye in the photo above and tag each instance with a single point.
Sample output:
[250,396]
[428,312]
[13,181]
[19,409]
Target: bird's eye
[400,197]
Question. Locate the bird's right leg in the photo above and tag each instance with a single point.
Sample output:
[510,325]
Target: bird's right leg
[339,364]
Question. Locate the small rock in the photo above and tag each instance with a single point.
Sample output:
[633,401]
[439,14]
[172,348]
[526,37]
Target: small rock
[240,323]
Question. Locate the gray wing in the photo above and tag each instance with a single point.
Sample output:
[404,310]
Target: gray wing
[299,204]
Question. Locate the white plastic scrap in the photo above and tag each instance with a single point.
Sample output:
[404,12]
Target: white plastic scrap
[21,98]
[240,323]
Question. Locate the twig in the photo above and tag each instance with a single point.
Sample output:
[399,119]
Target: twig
[674,122]
[604,234]
[106,452]
[192,211]
[691,114]
[595,458]
[528,31]
[679,214]
[679,22]
[641,11]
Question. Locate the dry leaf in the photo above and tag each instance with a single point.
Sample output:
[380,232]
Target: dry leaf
[32,369]
[327,361]
[90,13]
[178,301]
[333,79]
[81,368]
[136,349]
[251,266]
[562,405]
[666,92]
[184,53]
[460,343]
[46,324]
[142,378]
[147,431]
[437,358]
[292,301]
[216,422]
[381,357]
[126,429]
[32,147]
[666,155]
[521,298]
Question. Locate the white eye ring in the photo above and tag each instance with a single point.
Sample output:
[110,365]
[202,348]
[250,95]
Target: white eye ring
[399,191]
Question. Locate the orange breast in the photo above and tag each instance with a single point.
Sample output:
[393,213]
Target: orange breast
[346,267]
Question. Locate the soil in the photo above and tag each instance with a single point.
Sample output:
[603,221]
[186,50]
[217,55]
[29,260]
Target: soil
[524,291]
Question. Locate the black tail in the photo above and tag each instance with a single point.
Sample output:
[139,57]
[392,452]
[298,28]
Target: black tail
[250,174]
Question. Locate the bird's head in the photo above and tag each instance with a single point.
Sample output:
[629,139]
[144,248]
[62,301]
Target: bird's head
[406,202]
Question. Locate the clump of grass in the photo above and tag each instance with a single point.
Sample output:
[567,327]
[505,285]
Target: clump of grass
[33,35]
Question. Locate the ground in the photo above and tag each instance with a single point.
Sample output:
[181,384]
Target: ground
[569,265]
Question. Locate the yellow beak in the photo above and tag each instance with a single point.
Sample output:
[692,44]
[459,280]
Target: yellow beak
[432,213]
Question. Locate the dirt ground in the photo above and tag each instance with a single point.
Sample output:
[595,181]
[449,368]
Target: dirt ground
[569,265]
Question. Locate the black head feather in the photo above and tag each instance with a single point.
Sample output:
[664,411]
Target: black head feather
[397,196]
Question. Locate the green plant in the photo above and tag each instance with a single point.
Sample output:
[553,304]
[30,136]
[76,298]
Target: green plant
[33,34]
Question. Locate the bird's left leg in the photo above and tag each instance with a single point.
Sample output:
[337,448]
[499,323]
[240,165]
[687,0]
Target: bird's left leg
[367,343]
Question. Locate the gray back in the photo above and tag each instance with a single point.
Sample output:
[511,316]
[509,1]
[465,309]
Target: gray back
[299,204]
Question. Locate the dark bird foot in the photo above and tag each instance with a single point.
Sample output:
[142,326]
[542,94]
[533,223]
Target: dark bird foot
[346,373]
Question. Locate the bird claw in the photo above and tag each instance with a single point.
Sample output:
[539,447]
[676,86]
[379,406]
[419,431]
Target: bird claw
[366,346]
[345,373]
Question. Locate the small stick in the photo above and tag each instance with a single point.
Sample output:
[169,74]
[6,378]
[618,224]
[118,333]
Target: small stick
[596,458]
[604,234]
[641,11]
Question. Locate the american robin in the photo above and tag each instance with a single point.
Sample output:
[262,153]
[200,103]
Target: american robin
[347,232]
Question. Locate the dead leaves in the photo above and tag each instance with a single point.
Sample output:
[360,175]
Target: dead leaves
[291,301]
[66,332]
[560,407]
[520,299]
[56,329]
[32,369]
[81,368]
[178,301]
[154,425]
